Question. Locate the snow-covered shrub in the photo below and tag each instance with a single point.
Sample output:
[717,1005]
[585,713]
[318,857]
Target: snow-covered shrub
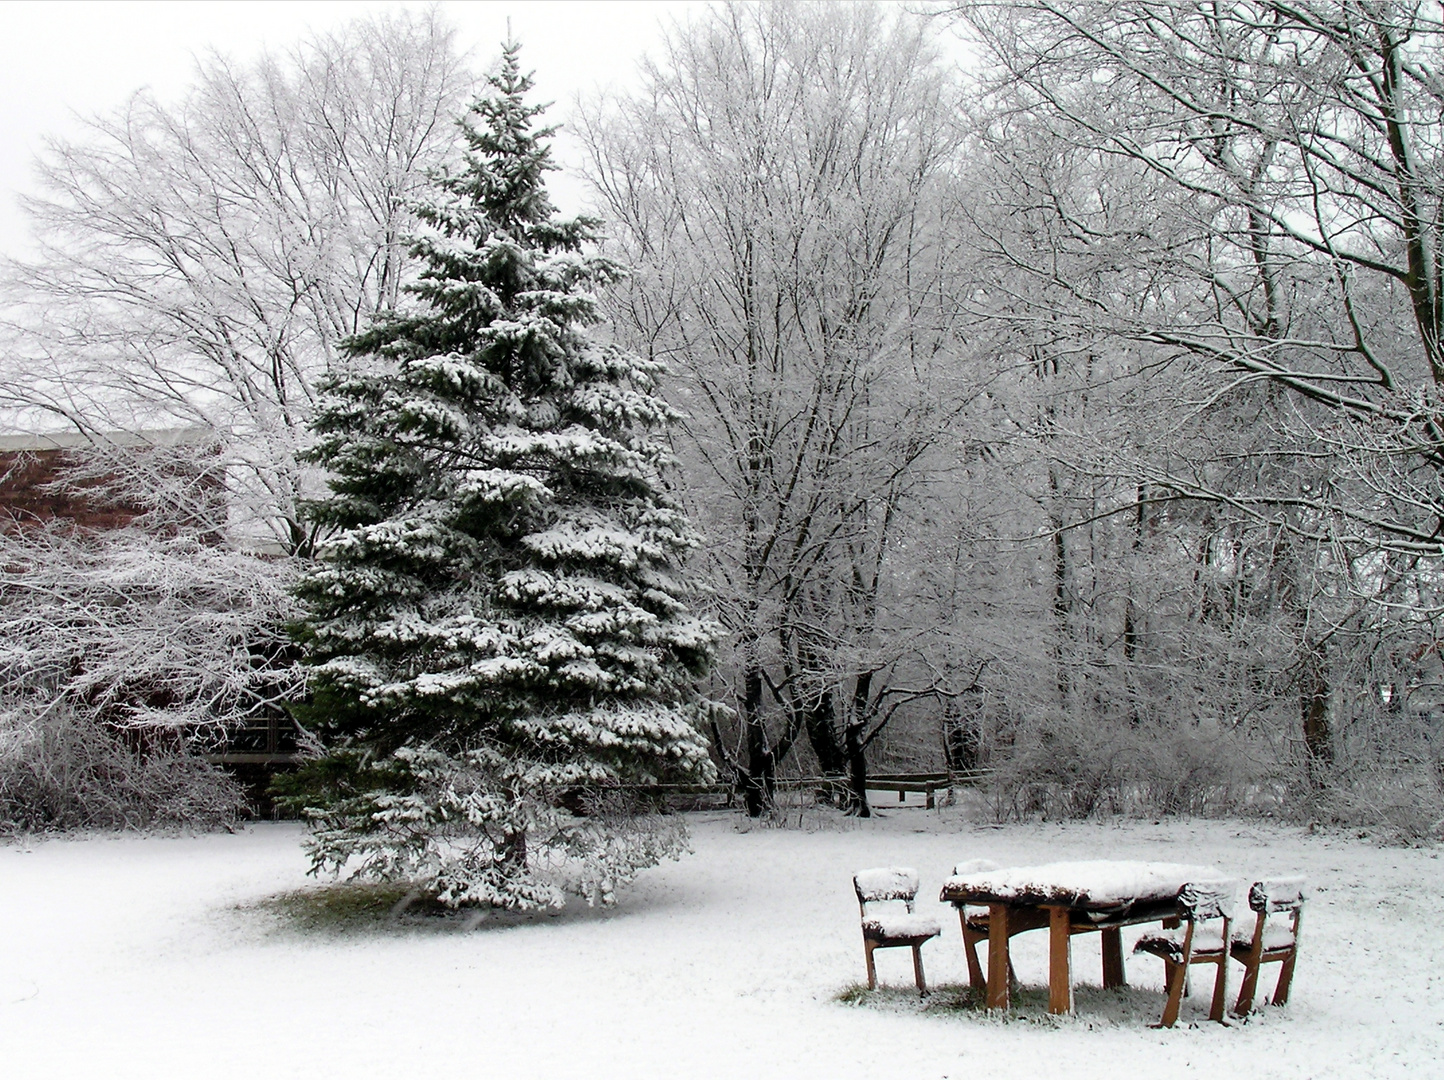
[1399,803]
[60,769]
[1070,770]
[139,629]
[122,654]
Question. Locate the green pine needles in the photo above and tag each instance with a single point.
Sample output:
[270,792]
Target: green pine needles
[497,622]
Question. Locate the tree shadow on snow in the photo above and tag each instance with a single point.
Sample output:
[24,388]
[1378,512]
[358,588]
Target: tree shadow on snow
[347,908]
[366,909]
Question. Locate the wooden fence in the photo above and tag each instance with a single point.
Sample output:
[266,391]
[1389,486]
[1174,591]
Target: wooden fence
[270,743]
[834,788]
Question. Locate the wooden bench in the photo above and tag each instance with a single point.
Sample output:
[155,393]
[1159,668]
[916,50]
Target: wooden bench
[888,927]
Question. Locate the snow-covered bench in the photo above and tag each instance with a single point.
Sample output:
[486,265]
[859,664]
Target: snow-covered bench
[885,896]
[1278,904]
[1207,913]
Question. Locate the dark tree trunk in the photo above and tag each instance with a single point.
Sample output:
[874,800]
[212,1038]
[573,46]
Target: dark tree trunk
[856,748]
[1061,606]
[857,771]
[821,722]
[1130,617]
[759,781]
[513,853]
[963,730]
[1314,707]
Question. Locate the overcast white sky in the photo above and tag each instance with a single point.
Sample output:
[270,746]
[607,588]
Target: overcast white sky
[61,59]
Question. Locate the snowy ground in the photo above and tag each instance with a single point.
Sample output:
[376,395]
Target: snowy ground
[154,957]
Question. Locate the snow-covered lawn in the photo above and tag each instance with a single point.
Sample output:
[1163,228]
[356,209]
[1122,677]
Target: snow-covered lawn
[154,957]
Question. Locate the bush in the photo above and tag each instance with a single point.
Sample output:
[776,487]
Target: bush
[60,770]
[117,651]
[1068,770]
[1399,803]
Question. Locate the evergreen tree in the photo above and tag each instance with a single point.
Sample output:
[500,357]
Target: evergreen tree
[497,623]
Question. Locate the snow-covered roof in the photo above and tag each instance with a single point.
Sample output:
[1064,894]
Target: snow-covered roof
[70,439]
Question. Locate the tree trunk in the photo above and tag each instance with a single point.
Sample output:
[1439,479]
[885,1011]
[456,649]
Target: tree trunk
[963,731]
[856,771]
[1061,620]
[1130,617]
[1314,709]
[759,782]
[821,722]
[512,854]
[856,749]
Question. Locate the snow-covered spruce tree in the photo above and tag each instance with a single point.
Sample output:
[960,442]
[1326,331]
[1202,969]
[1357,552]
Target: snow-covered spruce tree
[497,625]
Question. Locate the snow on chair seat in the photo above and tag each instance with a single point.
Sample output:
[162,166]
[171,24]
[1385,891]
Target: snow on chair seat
[887,928]
[1207,939]
[901,924]
[1207,912]
[1272,940]
[886,883]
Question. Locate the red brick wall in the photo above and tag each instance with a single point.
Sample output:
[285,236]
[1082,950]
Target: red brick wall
[25,494]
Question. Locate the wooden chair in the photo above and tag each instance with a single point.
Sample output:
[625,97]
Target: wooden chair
[1201,940]
[1278,903]
[895,925]
[974,921]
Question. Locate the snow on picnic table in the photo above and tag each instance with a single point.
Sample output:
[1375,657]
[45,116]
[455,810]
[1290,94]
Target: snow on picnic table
[1097,883]
[146,957]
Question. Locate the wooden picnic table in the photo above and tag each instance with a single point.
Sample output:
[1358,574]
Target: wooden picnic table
[1071,898]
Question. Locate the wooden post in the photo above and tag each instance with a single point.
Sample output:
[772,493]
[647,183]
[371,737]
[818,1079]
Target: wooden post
[928,791]
[1060,968]
[1114,975]
[1175,976]
[998,956]
[1220,981]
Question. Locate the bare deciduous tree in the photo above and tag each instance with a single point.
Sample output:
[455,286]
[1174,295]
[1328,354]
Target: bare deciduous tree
[777,186]
[1280,272]
[199,260]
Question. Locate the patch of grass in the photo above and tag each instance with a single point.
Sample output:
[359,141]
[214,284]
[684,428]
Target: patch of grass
[350,906]
[361,907]
[856,994]
[946,998]
[1094,1007]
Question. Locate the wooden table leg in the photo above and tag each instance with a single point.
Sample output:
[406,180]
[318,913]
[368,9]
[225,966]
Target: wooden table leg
[1060,968]
[1113,974]
[970,949]
[997,956]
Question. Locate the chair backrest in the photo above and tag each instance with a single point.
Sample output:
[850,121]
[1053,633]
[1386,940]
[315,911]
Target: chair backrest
[1207,899]
[1273,895]
[886,883]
